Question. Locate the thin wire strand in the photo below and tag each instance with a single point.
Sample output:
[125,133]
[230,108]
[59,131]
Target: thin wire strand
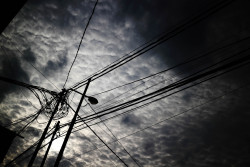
[100,138]
[171,117]
[167,36]
[137,163]
[80,43]
[33,65]
[194,58]
[232,66]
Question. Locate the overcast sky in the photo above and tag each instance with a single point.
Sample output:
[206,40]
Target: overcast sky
[39,45]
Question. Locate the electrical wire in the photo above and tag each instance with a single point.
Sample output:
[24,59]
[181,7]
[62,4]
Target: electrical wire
[179,64]
[35,117]
[160,40]
[168,118]
[103,74]
[167,88]
[80,43]
[136,162]
[15,82]
[29,148]
[201,75]
[99,137]
[211,51]
[31,63]
[230,65]
[20,120]
[181,82]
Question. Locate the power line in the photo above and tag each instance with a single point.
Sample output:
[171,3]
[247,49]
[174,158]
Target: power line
[194,58]
[99,138]
[80,43]
[33,65]
[28,99]
[171,117]
[26,85]
[168,88]
[232,66]
[20,120]
[137,163]
[158,41]
[35,117]
[176,115]
[29,148]
[191,78]
[40,72]
[94,144]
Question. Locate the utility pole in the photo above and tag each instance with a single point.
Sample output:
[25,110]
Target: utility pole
[61,95]
[50,143]
[59,157]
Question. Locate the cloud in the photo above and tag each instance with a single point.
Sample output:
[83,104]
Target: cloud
[48,34]
[29,56]
[11,68]
[53,66]
[131,120]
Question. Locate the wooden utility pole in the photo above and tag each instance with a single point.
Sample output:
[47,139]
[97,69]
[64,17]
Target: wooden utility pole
[50,143]
[59,157]
[61,96]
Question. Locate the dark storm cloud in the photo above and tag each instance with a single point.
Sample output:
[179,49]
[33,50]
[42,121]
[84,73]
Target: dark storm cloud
[68,10]
[151,18]
[29,56]
[221,140]
[188,141]
[218,136]
[5,119]
[24,103]
[32,132]
[131,120]
[53,66]
[11,67]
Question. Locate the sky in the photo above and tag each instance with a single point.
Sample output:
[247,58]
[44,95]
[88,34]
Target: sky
[205,125]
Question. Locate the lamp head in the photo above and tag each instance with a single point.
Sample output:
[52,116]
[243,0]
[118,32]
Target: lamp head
[92,100]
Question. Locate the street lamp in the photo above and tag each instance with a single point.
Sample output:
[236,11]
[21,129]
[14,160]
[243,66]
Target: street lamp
[92,100]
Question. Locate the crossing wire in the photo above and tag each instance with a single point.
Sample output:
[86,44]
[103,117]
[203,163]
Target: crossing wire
[231,66]
[66,80]
[158,41]
[91,141]
[137,163]
[211,51]
[178,65]
[80,43]
[182,82]
[169,118]
[28,149]
[20,120]
[99,137]
[32,64]
[179,83]
[26,85]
